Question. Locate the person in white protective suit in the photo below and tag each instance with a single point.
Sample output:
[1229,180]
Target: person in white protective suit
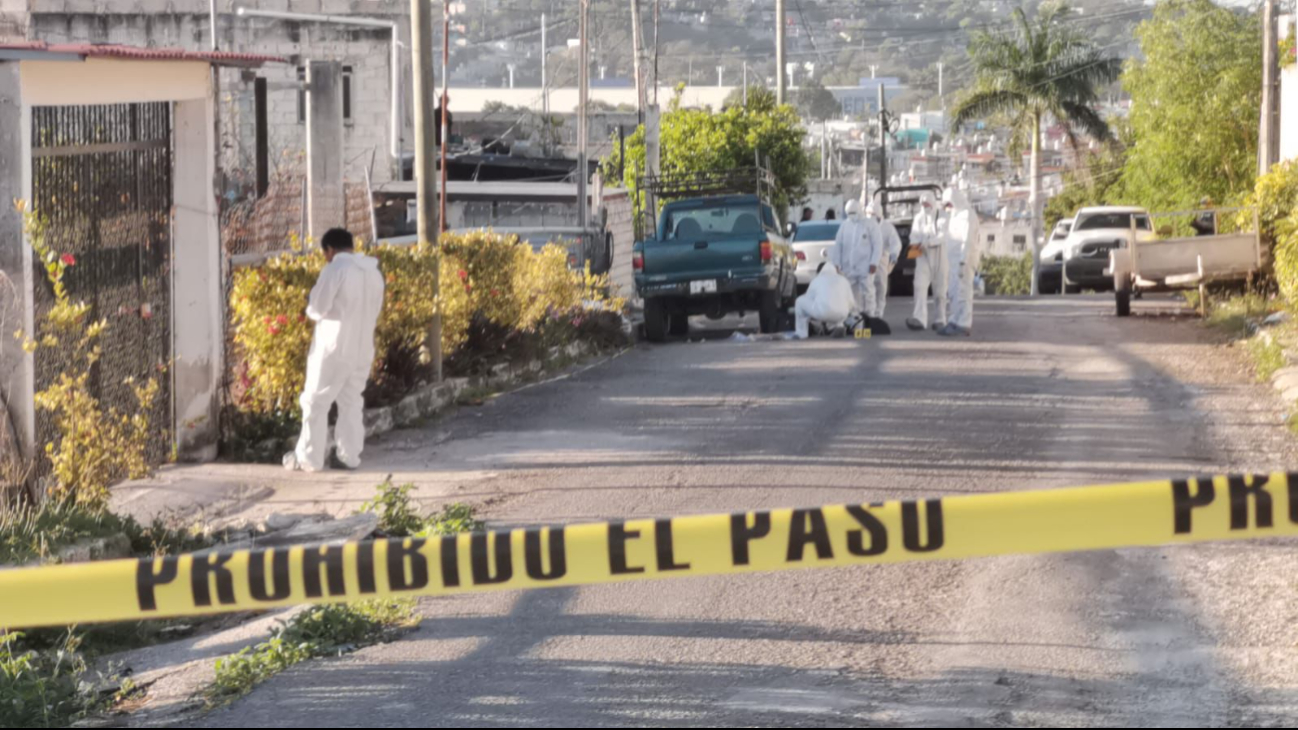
[888,255]
[856,253]
[964,254]
[345,305]
[829,301]
[927,235]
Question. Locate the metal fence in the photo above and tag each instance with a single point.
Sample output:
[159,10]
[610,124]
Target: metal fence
[102,181]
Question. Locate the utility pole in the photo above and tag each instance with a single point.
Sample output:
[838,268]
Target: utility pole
[824,149]
[941,98]
[212,21]
[583,80]
[874,70]
[781,86]
[1268,147]
[721,70]
[656,17]
[745,83]
[446,102]
[421,47]
[545,89]
[883,145]
[637,49]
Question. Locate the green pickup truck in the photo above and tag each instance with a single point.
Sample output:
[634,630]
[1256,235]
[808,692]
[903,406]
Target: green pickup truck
[714,255]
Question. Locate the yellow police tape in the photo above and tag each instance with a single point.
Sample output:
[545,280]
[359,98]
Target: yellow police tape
[1089,518]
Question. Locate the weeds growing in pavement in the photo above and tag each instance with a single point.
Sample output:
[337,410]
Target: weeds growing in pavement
[319,631]
[333,630]
[49,687]
[399,515]
[1268,357]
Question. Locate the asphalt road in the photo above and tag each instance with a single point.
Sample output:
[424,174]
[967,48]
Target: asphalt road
[1046,394]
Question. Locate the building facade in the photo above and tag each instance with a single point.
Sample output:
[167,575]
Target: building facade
[365,52]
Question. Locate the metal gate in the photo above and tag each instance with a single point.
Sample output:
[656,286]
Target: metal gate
[102,180]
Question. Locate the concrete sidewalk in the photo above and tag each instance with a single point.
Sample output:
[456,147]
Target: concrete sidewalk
[220,493]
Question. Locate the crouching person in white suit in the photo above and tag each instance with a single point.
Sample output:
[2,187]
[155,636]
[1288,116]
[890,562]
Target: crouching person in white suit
[829,301]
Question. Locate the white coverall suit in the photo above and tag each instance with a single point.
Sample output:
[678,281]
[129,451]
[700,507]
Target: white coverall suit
[345,305]
[965,253]
[829,300]
[857,249]
[931,266]
[888,256]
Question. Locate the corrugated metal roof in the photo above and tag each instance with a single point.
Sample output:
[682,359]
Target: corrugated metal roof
[40,49]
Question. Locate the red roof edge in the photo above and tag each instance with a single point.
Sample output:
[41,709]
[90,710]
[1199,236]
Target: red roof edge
[134,53]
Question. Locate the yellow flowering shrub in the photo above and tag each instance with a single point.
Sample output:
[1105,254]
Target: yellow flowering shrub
[1275,199]
[481,274]
[93,447]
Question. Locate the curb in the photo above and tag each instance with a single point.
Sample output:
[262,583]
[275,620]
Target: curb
[1285,379]
[434,399]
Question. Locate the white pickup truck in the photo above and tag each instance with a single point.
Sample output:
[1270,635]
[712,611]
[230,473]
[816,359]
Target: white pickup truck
[1176,264]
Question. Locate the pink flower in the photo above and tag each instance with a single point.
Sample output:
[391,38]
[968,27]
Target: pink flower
[464,275]
[273,329]
[69,260]
[282,319]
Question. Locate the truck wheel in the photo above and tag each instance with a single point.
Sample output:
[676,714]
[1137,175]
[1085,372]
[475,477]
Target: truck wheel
[1124,302]
[680,325]
[769,314]
[655,320]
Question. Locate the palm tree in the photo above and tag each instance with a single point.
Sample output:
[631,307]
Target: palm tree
[1040,68]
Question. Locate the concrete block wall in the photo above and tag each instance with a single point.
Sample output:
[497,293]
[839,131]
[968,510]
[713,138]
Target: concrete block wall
[621,223]
[15,279]
[185,24]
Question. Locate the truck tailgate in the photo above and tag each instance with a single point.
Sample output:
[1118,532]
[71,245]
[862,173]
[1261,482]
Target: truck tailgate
[681,261]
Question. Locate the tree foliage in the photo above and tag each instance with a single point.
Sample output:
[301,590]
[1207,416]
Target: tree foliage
[1093,183]
[816,102]
[1196,97]
[700,140]
[1041,68]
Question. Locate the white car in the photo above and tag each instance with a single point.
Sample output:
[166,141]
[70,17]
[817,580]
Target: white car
[1050,275]
[1095,233]
[811,243]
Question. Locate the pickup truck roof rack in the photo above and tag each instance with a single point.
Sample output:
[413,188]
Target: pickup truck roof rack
[658,189]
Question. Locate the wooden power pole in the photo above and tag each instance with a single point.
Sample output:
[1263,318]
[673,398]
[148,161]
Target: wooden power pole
[421,31]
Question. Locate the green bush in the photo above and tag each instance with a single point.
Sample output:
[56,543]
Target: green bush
[1274,197]
[1285,255]
[43,688]
[31,534]
[1007,275]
